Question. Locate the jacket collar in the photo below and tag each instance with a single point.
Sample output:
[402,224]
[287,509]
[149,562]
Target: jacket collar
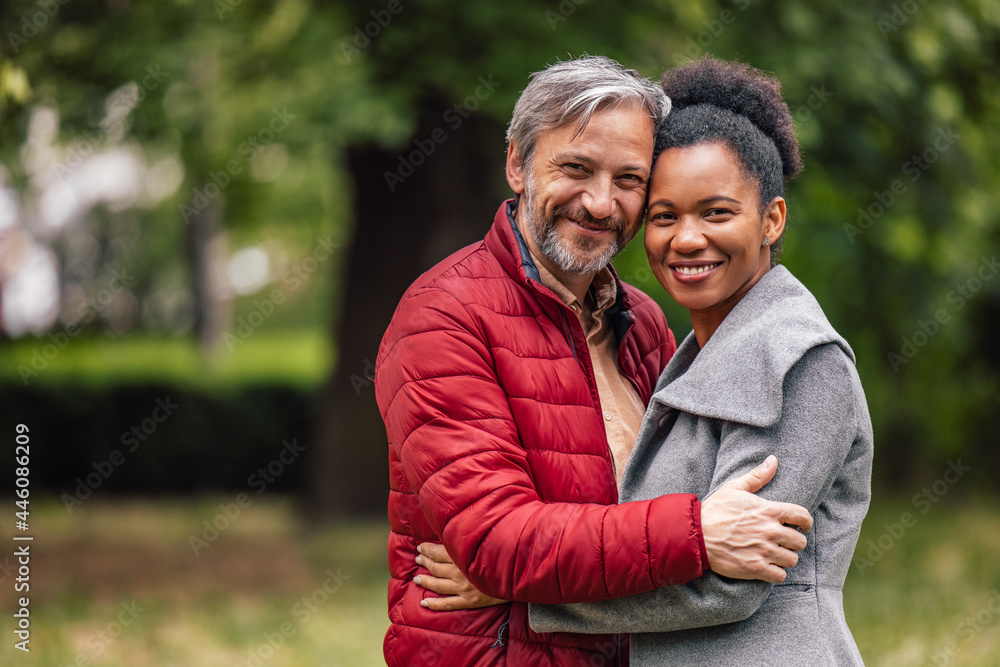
[739,374]
[527,262]
[507,244]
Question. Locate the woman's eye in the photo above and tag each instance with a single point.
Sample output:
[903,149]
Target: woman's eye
[718,213]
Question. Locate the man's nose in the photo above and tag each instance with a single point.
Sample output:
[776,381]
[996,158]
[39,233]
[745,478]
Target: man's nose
[599,199]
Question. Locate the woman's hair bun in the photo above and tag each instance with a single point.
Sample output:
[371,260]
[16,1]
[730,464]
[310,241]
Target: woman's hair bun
[743,90]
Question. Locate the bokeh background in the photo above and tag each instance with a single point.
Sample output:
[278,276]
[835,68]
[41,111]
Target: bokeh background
[209,209]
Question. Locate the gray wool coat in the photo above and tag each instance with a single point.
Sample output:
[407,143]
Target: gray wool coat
[775,378]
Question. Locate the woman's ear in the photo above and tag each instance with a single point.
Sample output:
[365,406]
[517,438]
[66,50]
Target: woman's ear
[774,219]
[514,170]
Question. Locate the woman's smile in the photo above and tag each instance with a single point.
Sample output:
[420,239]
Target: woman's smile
[694,271]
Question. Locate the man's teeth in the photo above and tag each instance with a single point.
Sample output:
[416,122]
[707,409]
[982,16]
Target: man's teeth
[695,270]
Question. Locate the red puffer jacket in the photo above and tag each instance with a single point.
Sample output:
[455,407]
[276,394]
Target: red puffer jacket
[498,451]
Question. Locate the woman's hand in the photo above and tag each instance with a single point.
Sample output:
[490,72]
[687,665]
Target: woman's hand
[448,580]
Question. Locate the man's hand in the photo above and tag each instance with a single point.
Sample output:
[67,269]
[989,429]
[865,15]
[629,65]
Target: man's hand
[745,536]
[448,580]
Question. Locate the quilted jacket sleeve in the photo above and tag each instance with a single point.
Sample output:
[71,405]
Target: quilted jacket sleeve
[449,421]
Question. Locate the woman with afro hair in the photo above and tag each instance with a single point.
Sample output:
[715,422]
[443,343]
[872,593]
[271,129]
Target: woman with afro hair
[763,372]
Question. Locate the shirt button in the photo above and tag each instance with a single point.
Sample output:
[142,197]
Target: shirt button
[607,416]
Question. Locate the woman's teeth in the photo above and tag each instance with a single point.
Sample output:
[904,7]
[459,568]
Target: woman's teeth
[695,270]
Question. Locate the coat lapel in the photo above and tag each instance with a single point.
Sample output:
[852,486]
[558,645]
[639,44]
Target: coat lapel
[740,374]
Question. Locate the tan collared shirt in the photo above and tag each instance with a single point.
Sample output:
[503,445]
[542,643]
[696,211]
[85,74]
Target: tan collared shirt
[622,406]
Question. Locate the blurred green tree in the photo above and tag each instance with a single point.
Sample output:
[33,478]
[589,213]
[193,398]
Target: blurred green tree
[214,101]
[391,148]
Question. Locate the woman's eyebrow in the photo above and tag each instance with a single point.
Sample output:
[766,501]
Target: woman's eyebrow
[709,200]
[660,202]
[700,202]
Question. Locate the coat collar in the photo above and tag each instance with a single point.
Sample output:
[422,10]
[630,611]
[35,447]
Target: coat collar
[739,374]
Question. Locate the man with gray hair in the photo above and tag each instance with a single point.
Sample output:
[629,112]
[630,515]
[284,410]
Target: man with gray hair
[513,379]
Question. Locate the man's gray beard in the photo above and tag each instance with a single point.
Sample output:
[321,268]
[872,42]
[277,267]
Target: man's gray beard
[557,249]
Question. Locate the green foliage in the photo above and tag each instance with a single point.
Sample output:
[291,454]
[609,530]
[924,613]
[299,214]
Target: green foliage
[895,104]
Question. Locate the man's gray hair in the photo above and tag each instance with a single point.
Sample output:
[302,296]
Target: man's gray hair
[572,91]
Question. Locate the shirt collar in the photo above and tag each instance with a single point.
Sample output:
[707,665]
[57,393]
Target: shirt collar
[603,290]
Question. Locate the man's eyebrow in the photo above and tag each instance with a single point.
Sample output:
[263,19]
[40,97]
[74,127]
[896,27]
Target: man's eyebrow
[574,157]
[586,159]
[638,169]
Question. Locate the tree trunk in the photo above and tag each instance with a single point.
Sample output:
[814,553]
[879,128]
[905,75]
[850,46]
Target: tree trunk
[205,246]
[446,202]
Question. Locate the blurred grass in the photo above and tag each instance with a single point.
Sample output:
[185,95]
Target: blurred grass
[299,357]
[266,589]
[227,605]
[931,588]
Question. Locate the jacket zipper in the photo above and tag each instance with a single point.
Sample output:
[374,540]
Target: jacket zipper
[629,375]
[499,642]
[568,333]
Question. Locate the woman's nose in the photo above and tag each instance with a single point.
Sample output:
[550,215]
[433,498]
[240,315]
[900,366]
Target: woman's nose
[688,237]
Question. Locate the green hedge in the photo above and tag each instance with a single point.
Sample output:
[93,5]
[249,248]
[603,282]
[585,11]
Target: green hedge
[157,438]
